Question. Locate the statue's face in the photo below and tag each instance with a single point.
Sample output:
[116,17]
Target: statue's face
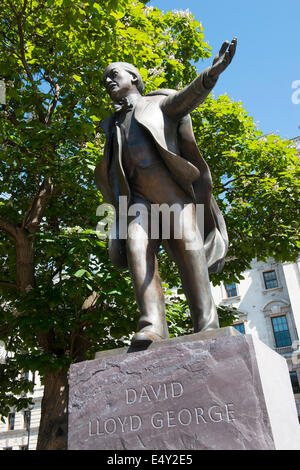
[118,82]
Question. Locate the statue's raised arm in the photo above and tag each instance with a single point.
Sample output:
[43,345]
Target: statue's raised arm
[189,98]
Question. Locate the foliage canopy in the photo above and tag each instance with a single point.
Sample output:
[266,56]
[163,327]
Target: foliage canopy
[61,300]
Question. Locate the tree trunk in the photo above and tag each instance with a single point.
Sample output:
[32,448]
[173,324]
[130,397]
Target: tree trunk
[53,431]
[24,260]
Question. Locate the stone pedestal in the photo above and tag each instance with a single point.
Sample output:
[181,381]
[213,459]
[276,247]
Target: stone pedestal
[214,390]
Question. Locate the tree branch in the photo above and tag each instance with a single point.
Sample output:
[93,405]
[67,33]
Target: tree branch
[8,284]
[41,5]
[33,216]
[58,270]
[21,147]
[25,65]
[24,8]
[53,104]
[90,302]
[242,175]
[9,44]
[11,4]
[10,115]
[8,227]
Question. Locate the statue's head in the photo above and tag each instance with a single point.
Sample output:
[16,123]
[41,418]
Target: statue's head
[121,78]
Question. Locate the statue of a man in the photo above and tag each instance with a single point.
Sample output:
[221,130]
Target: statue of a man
[151,157]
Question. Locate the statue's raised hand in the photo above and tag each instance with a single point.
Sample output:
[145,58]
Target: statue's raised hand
[222,59]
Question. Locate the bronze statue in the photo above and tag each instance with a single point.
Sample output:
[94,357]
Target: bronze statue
[152,158]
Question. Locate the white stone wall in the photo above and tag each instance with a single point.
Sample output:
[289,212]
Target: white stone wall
[257,305]
[19,436]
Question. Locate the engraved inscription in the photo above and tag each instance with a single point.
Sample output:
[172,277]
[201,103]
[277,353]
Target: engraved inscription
[183,416]
[154,393]
[98,427]
[197,415]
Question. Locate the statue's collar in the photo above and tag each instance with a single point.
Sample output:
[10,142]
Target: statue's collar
[123,106]
[127,103]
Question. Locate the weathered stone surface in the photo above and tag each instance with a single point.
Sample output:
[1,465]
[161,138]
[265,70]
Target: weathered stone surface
[184,393]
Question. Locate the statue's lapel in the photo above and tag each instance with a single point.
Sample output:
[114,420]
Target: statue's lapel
[107,125]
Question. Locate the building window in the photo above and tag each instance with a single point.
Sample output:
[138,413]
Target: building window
[295,382]
[270,279]
[281,331]
[11,421]
[27,418]
[231,289]
[240,327]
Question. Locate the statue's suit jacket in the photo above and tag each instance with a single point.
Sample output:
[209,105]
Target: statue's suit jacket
[165,115]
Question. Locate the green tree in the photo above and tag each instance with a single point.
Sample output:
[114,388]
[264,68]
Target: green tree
[61,300]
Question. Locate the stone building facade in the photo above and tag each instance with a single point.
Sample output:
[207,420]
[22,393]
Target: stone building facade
[20,430]
[267,302]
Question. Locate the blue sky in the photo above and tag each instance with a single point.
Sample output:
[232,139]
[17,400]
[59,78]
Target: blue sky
[267,61]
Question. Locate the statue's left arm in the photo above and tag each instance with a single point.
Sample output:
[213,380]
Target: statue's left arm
[189,98]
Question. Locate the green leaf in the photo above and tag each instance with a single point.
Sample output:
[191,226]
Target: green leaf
[77,78]
[95,118]
[80,272]
[97,7]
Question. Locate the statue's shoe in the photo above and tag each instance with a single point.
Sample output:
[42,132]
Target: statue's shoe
[144,338]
